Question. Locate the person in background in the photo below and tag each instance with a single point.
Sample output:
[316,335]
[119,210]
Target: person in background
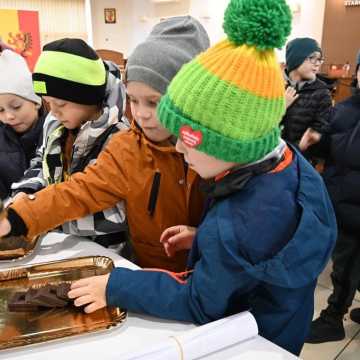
[86,105]
[21,119]
[139,166]
[308,99]
[342,177]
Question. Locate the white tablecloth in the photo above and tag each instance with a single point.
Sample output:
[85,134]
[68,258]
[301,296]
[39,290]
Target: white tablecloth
[137,332]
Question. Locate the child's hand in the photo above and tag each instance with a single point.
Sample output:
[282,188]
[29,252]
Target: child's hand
[5,227]
[177,238]
[309,138]
[290,96]
[91,291]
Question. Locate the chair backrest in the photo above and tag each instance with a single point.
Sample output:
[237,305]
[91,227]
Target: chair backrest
[114,56]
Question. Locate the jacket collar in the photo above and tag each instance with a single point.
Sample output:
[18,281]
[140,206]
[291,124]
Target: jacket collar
[304,85]
[239,176]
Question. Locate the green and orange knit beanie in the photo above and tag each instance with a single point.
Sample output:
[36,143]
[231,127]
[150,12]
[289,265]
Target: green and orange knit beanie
[228,101]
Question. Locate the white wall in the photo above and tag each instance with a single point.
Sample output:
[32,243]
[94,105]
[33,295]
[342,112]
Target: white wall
[211,16]
[309,22]
[116,36]
[135,18]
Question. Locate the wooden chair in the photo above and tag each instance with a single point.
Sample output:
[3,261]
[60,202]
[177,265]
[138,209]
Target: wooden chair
[114,56]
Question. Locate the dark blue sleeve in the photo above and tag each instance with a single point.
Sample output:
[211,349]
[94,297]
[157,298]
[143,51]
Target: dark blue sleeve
[204,297]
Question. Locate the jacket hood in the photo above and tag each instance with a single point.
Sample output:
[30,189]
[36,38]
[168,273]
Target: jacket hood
[304,257]
[115,95]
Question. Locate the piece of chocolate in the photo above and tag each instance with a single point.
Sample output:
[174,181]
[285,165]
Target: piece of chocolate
[18,303]
[63,290]
[45,297]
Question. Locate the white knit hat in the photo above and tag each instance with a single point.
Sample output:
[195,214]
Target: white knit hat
[15,77]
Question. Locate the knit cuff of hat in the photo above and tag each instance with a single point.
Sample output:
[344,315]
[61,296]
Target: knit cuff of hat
[82,82]
[215,144]
[147,76]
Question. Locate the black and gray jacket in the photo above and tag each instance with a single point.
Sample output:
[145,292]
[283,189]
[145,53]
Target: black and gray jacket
[47,166]
[310,110]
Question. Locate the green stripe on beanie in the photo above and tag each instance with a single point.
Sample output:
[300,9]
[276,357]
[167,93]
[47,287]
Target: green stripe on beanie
[69,69]
[215,99]
[214,143]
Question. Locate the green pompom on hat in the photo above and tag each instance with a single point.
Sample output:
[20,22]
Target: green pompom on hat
[228,101]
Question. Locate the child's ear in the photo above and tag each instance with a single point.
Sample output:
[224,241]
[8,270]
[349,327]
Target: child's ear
[37,106]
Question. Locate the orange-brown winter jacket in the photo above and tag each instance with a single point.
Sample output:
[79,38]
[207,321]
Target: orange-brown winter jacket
[134,169]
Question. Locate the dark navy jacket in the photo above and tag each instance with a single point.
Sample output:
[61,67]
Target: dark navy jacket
[260,249]
[342,169]
[16,152]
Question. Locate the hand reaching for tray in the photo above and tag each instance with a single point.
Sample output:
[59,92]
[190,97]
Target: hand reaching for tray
[5,226]
[91,292]
[177,238]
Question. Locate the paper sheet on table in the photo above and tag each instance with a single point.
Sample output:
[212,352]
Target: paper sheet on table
[202,340]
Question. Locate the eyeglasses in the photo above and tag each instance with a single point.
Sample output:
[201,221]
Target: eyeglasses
[315,60]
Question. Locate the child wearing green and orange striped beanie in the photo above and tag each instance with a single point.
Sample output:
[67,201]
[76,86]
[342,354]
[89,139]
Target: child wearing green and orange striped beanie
[269,229]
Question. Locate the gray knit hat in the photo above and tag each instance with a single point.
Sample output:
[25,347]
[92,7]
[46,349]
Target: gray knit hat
[172,43]
[15,77]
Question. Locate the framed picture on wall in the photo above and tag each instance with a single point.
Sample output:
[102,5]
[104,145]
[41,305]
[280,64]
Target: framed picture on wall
[110,15]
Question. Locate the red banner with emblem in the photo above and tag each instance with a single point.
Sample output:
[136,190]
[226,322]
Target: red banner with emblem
[20,30]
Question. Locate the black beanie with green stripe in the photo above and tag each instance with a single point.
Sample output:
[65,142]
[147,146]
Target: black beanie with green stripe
[69,69]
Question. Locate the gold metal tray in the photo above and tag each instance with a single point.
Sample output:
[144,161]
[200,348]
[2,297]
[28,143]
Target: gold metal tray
[19,329]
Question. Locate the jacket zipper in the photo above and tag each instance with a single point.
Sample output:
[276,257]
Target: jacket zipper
[154,193]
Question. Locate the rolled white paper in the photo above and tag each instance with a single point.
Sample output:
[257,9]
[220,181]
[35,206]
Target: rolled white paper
[202,340]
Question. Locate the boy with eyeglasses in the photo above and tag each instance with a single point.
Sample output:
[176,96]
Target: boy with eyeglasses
[308,99]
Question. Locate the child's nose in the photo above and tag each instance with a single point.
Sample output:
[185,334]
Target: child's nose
[143,114]
[9,116]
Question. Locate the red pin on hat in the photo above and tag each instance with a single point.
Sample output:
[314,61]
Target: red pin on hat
[190,137]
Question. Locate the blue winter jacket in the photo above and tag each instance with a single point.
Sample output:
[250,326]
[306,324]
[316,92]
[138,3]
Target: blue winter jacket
[260,249]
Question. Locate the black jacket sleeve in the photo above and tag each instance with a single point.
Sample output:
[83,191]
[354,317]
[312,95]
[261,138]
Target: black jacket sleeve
[321,118]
